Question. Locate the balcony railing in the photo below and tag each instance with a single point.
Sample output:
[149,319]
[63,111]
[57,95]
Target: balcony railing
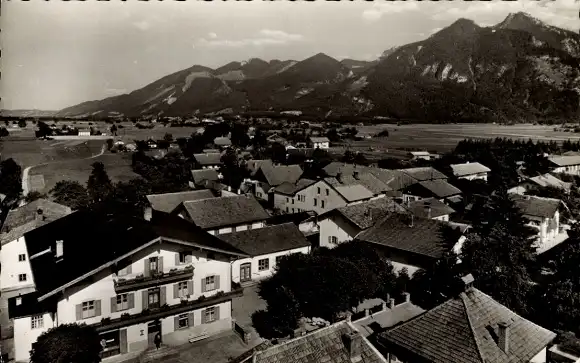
[165,310]
[158,278]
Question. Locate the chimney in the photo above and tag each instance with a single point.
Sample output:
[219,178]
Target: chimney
[391,303]
[348,317]
[467,281]
[339,177]
[40,215]
[59,249]
[353,343]
[355,175]
[148,214]
[429,212]
[407,297]
[503,335]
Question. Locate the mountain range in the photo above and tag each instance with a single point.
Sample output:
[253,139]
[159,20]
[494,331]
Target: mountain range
[520,69]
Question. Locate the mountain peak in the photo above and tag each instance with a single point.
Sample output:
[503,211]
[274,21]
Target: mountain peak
[321,56]
[519,20]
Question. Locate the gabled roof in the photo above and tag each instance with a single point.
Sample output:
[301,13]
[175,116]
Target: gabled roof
[30,216]
[416,235]
[167,202]
[429,208]
[266,240]
[365,214]
[319,139]
[98,239]
[440,188]
[323,345]
[335,167]
[291,189]
[254,165]
[548,180]
[469,169]
[224,211]
[424,173]
[395,179]
[208,158]
[565,160]
[222,141]
[387,318]
[200,175]
[354,192]
[464,329]
[536,206]
[276,175]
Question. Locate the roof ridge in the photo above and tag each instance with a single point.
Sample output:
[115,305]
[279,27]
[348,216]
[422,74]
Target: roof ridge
[368,343]
[470,324]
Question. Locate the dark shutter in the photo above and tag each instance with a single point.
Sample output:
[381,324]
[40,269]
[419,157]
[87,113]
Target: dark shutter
[145,301]
[176,322]
[146,268]
[131,300]
[190,287]
[162,295]
[177,259]
[203,320]
[79,309]
[114,304]
[123,340]
[190,319]
[160,263]
[97,307]
[203,287]
[217,281]
[217,313]
[176,291]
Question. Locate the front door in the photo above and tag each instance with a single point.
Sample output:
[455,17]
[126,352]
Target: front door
[245,272]
[152,329]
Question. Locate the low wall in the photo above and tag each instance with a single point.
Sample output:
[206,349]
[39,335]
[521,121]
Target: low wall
[76,137]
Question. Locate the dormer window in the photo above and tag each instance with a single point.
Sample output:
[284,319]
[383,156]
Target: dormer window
[59,249]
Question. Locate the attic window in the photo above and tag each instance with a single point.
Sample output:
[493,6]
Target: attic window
[18,301]
[59,249]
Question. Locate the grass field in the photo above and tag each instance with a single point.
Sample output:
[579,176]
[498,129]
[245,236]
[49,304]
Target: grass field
[44,177]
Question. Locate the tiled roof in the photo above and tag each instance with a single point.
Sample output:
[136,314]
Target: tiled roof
[420,208]
[225,211]
[200,175]
[270,239]
[222,141]
[469,169]
[335,167]
[395,179]
[565,160]
[325,345]
[365,214]
[169,201]
[536,206]
[254,165]
[291,189]
[208,158]
[424,173]
[354,192]
[416,235]
[276,175]
[548,180]
[440,188]
[26,218]
[387,318]
[319,139]
[465,330]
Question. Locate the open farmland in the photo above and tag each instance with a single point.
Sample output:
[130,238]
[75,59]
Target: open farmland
[42,178]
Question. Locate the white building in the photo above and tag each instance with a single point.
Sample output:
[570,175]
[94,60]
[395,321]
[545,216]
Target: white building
[319,142]
[136,279]
[470,171]
[565,164]
[422,155]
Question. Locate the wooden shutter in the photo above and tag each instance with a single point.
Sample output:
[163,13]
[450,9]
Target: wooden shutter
[190,320]
[177,259]
[188,258]
[123,340]
[160,263]
[203,287]
[176,291]
[97,307]
[114,304]
[129,271]
[203,319]
[189,287]
[131,300]
[217,313]
[176,322]
[79,310]
[145,301]
[217,281]
[146,268]
[162,295]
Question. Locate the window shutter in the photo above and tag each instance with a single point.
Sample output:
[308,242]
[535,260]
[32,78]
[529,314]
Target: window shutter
[203,320]
[145,301]
[176,258]
[160,263]
[131,300]
[190,320]
[203,287]
[79,309]
[329,239]
[123,340]
[97,307]
[162,295]
[188,258]
[176,322]
[190,287]
[217,313]
[217,281]
[129,269]
[146,268]
[114,304]
[176,291]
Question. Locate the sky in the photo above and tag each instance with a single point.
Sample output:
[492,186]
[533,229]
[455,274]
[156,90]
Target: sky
[57,54]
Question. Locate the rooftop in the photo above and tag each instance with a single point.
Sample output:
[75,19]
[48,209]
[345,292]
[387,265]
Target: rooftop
[208,158]
[254,165]
[222,141]
[169,201]
[395,179]
[319,139]
[353,192]
[225,211]
[291,189]
[365,214]
[201,175]
[469,169]
[276,175]
[440,188]
[536,206]
[465,329]
[387,318]
[366,179]
[424,173]
[430,208]
[565,160]
[548,180]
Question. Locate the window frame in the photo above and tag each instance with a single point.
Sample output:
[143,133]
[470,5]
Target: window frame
[181,287]
[212,284]
[263,264]
[90,307]
[122,302]
[154,292]
[21,257]
[210,314]
[182,318]
[153,261]
[327,192]
[36,322]
[322,204]
[183,257]
[315,202]
[22,277]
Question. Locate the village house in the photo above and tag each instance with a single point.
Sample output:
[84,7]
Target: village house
[265,247]
[319,142]
[430,208]
[364,178]
[422,155]
[222,215]
[208,160]
[424,174]
[565,164]
[439,189]
[222,142]
[543,214]
[476,328]
[84,132]
[201,177]
[167,202]
[541,181]
[15,273]
[410,242]
[470,171]
[139,278]
[268,176]
[276,138]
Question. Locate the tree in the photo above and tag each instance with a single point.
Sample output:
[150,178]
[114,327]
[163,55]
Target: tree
[129,198]
[70,343]
[168,137]
[22,123]
[34,195]
[70,193]
[99,185]
[278,153]
[259,139]
[10,179]
[233,173]
[4,132]
[239,135]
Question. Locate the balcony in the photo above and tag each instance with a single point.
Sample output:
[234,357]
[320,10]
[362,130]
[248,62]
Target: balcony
[165,310]
[159,278]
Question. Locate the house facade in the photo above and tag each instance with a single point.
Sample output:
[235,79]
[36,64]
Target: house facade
[16,275]
[208,160]
[565,164]
[319,142]
[470,171]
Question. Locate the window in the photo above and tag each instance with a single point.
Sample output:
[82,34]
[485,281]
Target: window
[332,240]
[318,190]
[287,210]
[21,277]
[259,195]
[36,321]
[210,283]
[182,257]
[327,192]
[210,315]
[287,200]
[292,200]
[182,290]
[292,210]
[315,202]
[88,309]
[122,302]
[263,264]
[153,298]
[21,257]
[321,204]
[182,321]
[153,264]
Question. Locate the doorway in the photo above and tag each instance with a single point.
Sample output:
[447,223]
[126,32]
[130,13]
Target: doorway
[245,272]
[152,329]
